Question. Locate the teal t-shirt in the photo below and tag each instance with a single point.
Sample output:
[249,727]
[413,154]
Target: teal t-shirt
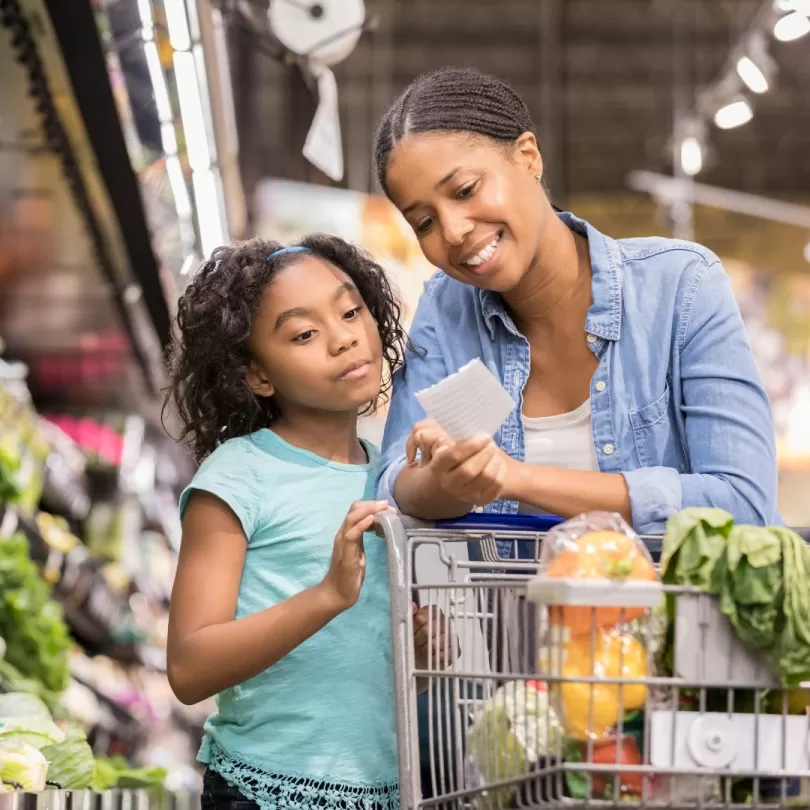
[321,720]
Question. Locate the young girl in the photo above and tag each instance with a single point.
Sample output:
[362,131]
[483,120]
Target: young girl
[279,607]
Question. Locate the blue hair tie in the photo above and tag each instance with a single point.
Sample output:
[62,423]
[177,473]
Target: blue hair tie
[291,249]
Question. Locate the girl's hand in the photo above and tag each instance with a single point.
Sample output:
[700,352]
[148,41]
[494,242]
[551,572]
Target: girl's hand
[348,567]
[433,641]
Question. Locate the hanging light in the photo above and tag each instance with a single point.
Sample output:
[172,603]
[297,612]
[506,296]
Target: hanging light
[734,114]
[209,212]
[793,26]
[188,91]
[145,13]
[177,21]
[691,156]
[751,74]
[168,139]
[159,89]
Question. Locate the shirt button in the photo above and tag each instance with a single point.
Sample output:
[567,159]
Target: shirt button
[591,338]
[609,449]
[600,386]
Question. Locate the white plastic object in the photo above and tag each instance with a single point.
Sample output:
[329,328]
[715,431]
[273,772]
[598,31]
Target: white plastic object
[734,742]
[324,30]
[707,647]
[630,593]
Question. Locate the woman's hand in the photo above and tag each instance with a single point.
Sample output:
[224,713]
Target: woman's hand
[474,471]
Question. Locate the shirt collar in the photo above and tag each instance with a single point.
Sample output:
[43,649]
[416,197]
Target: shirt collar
[605,313]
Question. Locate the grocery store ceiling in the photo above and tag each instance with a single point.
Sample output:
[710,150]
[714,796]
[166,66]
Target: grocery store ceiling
[599,76]
[58,311]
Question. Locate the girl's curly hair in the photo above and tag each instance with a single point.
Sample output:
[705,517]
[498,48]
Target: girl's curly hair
[210,357]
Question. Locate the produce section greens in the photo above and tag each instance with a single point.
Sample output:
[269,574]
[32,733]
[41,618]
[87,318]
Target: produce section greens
[31,623]
[33,748]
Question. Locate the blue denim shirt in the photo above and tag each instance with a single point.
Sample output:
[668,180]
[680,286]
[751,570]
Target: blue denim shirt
[677,404]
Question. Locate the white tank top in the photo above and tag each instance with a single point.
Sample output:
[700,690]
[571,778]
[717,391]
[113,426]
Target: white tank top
[564,440]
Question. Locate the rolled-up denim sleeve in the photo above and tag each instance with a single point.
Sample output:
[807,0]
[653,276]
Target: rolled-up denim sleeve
[424,366]
[728,422]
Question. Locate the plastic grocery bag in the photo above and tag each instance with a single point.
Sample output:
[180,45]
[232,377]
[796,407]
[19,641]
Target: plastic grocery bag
[511,733]
[595,546]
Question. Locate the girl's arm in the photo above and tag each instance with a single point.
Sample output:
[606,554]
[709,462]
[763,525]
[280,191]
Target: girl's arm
[209,650]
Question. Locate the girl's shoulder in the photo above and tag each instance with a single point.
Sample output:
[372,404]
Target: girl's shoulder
[261,475]
[233,473]
[240,450]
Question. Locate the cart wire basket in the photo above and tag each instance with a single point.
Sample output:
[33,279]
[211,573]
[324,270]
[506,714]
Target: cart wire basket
[509,712]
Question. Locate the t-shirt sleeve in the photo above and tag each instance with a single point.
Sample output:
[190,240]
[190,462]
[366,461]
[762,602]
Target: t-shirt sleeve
[227,473]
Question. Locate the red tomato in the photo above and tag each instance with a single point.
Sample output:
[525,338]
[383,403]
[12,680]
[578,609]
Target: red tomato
[613,751]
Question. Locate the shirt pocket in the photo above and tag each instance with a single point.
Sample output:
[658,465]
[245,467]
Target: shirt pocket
[653,434]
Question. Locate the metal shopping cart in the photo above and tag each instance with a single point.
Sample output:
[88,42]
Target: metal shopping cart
[708,736]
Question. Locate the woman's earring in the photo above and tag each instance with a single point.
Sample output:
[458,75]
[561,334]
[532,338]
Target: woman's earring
[539,176]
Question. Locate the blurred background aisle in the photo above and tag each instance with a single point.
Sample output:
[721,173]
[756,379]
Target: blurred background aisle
[136,135]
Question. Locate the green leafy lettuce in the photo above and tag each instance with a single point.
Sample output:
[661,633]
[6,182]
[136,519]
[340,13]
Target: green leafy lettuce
[760,576]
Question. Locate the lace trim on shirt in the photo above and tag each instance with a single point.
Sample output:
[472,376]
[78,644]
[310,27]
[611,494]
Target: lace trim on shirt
[272,791]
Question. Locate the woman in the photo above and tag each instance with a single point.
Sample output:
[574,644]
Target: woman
[636,386]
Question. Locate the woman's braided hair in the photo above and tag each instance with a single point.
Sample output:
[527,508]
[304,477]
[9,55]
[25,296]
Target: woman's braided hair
[461,100]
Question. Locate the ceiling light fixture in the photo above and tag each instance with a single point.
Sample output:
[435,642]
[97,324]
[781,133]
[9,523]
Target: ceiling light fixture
[734,114]
[691,156]
[751,74]
[794,26]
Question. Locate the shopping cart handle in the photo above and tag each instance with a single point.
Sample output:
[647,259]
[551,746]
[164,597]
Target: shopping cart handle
[492,522]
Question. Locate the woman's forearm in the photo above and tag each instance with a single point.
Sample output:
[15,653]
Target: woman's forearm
[418,493]
[568,493]
[220,656]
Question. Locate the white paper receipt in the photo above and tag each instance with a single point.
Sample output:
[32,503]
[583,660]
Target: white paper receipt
[468,403]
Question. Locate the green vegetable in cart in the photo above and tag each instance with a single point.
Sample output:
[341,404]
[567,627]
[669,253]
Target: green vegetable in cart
[511,732]
[760,577]
[71,764]
[31,622]
[23,765]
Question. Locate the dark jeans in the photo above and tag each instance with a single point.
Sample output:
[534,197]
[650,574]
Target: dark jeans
[217,794]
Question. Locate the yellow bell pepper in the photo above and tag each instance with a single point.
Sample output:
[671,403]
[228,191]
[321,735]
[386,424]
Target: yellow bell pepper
[614,655]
